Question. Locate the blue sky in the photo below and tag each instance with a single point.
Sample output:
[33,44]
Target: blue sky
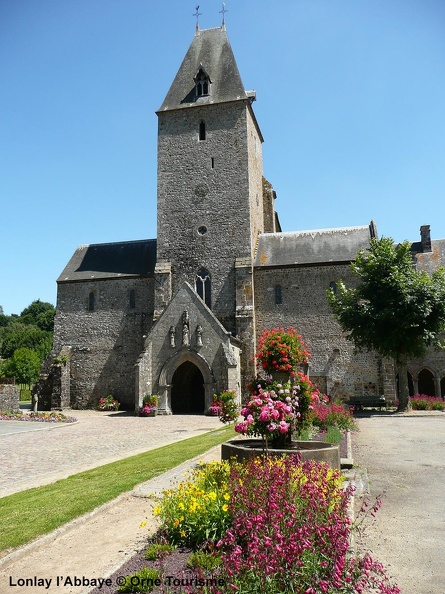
[350,101]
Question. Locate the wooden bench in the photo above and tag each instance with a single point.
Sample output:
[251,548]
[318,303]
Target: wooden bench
[360,402]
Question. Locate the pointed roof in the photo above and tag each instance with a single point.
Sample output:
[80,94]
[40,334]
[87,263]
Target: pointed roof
[210,50]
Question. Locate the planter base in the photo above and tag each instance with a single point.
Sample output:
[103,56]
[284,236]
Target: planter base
[244,449]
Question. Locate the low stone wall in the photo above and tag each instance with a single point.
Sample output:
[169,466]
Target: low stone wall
[9,398]
[244,449]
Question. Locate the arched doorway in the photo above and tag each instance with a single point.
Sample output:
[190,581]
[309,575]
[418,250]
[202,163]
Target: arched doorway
[187,391]
[426,383]
[442,387]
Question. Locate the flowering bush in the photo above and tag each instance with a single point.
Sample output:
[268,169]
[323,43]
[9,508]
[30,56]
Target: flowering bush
[197,510]
[423,402]
[108,403]
[149,405]
[215,409]
[324,415]
[229,410]
[281,350]
[290,533]
[276,411]
[279,526]
[148,411]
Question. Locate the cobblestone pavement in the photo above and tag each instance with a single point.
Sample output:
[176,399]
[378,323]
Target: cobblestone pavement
[34,458]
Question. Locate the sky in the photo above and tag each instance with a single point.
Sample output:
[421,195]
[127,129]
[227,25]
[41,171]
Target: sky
[350,101]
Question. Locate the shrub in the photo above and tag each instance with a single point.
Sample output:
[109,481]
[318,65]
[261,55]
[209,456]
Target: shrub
[157,550]
[108,403]
[150,400]
[438,405]
[204,560]
[224,406]
[197,510]
[144,580]
[423,402]
[325,415]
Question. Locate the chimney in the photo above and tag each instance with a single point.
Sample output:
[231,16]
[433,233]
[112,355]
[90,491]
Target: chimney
[425,238]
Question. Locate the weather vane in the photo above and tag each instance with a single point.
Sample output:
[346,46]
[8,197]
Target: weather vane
[197,14]
[223,12]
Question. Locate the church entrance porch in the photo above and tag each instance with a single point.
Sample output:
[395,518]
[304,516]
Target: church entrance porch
[187,390]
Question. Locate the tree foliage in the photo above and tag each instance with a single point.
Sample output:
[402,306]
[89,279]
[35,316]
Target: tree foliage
[25,366]
[40,314]
[17,335]
[32,331]
[395,309]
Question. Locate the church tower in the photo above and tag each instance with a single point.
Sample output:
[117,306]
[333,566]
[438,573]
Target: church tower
[210,202]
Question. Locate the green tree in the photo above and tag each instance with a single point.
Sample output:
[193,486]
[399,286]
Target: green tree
[396,310]
[40,314]
[25,366]
[17,335]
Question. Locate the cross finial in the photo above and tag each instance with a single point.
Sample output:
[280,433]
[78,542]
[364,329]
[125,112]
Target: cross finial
[223,12]
[197,15]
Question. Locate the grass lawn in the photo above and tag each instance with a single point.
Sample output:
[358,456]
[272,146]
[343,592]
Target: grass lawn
[31,513]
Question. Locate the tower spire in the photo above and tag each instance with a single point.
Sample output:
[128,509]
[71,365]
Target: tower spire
[197,14]
[223,12]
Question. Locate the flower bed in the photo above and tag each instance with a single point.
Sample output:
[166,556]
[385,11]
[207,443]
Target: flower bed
[423,402]
[40,417]
[262,527]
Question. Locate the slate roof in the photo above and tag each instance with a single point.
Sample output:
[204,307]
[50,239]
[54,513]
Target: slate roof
[211,49]
[111,260]
[316,247]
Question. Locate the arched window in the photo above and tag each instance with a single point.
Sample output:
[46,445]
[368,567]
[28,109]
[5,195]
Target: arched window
[333,287]
[203,286]
[91,300]
[132,299]
[202,83]
[202,130]
[278,295]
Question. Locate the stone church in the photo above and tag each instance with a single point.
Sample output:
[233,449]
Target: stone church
[179,315]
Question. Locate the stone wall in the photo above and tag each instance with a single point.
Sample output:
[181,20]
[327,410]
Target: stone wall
[105,343]
[209,197]
[9,398]
[304,305]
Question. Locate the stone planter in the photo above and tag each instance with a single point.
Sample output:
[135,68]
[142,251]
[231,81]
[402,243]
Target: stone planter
[243,449]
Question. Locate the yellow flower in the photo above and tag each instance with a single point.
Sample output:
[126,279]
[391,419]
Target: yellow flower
[182,533]
[143,524]
[212,495]
[225,507]
[157,510]
[226,496]
[181,505]
[176,523]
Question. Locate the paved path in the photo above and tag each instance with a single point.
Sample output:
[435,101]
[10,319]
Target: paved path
[404,457]
[43,453]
